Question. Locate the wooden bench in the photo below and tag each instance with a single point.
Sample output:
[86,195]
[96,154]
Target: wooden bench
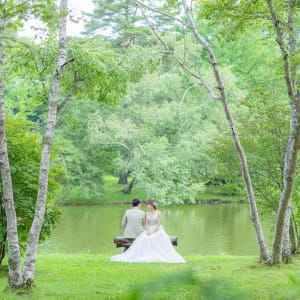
[121,241]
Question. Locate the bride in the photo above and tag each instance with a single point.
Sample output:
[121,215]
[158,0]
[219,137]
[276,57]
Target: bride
[152,245]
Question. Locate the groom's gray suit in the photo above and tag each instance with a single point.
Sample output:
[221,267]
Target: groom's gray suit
[133,222]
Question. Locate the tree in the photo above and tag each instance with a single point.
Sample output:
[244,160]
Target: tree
[9,13]
[155,135]
[34,233]
[117,21]
[220,95]
[283,33]
[83,161]
[15,274]
[277,19]
[263,121]
[24,154]
[290,66]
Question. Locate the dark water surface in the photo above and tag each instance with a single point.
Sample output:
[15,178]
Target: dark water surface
[201,229]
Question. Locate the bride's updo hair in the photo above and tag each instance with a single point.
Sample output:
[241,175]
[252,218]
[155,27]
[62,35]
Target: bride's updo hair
[152,203]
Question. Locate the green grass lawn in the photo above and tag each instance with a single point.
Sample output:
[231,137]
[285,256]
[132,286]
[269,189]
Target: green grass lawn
[202,277]
[113,191]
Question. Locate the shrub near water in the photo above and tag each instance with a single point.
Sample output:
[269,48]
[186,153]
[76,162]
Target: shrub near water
[202,277]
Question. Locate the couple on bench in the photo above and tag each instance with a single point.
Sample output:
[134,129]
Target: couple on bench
[152,243]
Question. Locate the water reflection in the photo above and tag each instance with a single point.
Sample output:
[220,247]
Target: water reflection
[201,229]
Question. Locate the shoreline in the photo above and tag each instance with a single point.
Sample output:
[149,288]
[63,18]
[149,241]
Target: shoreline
[197,202]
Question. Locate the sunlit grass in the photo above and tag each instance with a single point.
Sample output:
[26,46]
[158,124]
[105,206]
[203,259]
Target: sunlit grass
[113,191]
[202,277]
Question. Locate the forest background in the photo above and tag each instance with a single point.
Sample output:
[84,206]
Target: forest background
[128,110]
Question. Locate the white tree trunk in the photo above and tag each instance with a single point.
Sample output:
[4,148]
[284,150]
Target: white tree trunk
[15,274]
[34,234]
[290,165]
[292,147]
[264,252]
[286,242]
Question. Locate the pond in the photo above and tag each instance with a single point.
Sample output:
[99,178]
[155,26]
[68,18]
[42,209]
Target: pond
[201,229]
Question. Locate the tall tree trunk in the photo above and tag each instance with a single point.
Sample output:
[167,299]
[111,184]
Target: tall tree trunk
[291,153]
[34,233]
[293,238]
[123,178]
[15,274]
[286,242]
[128,188]
[264,252]
[290,165]
[3,224]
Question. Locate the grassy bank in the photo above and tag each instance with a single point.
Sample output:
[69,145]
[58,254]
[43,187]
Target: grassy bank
[112,193]
[202,277]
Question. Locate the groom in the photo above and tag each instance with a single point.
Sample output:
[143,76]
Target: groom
[133,220]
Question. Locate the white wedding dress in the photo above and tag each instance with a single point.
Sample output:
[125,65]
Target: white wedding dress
[156,247]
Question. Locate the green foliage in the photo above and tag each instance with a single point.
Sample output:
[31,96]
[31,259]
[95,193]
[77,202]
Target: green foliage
[16,13]
[112,192]
[81,160]
[98,72]
[263,118]
[232,18]
[29,69]
[162,129]
[24,155]
[117,21]
[151,133]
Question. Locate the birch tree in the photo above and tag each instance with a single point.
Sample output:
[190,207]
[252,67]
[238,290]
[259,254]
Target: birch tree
[286,38]
[283,16]
[12,15]
[15,274]
[34,233]
[290,66]
[221,96]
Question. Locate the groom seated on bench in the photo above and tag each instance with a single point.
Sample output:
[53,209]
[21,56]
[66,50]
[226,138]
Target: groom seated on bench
[133,223]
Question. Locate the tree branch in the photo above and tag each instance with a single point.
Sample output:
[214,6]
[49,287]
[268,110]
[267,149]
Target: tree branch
[285,55]
[206,47]
[255,16]
[118,144]
[170,50]
[292,37]
[67,62]
[180,104]
[292,146]
[62,104]
[140,4]
[264,251]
